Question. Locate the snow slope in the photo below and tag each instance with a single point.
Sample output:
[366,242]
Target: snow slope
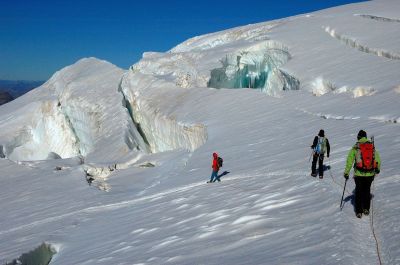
[143,139]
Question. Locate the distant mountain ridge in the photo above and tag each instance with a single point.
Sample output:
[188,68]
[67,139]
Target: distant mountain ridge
[17,88]
[5,97]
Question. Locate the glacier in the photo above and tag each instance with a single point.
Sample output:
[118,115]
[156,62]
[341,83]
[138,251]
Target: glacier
[76,124]
[66,123]
[256,67]
[109,166]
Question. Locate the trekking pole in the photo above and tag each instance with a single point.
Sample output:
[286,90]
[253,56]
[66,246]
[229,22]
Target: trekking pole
[312,152]
[341,201]
[330,167]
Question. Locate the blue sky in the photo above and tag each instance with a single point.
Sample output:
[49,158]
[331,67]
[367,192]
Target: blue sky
[40,37]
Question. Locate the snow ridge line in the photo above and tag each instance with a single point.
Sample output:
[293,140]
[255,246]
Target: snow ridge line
[328,116]
[378,18]
[383,119]
[363,48]
[386,120]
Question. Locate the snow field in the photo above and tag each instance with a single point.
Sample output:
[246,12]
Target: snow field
[148,134]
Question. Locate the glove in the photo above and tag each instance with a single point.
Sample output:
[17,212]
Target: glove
[377,170]
[312,147]
[346,176]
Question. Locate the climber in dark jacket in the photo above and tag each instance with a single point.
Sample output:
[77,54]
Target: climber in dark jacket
[320,146]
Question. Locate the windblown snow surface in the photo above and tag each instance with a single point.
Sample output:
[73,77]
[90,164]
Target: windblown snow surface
[109,166]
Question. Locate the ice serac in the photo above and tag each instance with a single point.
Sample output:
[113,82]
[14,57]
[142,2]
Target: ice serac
[160,128]
[256,67]
[79,111]
[48,132]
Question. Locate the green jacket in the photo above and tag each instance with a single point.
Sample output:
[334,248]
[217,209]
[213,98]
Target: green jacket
[351,161]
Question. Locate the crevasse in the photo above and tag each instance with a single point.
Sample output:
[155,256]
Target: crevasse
[135,137]
[40,255]
[161,132]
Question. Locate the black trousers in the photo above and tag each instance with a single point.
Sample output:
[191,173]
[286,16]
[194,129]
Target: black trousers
[320,159]
[363,193]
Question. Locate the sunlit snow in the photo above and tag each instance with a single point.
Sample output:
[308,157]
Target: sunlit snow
[109,166]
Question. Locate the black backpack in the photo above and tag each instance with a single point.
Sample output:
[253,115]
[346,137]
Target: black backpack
[220,161]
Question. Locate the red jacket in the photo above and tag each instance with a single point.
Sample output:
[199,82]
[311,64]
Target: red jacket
[215,166]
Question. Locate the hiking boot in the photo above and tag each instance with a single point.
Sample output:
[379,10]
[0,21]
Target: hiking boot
[321,177]
[366,212]
[314,174]
[359,215]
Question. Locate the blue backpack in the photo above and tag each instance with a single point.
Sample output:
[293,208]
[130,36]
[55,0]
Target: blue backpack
[321,146]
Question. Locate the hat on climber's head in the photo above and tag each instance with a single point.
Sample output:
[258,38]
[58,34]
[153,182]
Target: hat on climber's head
[361,134]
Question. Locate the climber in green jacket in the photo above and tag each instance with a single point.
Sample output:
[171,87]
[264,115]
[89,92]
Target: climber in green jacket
[367,163]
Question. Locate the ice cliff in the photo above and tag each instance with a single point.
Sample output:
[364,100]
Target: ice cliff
[79,111]
[87,110]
